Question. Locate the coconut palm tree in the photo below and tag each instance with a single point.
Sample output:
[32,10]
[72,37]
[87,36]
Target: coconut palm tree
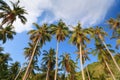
[73,66]
[28,54]
[20,71]
[28,51]
[49,60]
[85,57]
[4,58]
[103,56]
[99,33]
[7,33]
[78,38]
[61,31]
[65,63]
[34,67]
[115,25]
[38,37]
[44,70]
[10,14]
[14,69]
[68,65]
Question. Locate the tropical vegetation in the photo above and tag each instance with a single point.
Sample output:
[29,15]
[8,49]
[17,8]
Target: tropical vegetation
[54,64]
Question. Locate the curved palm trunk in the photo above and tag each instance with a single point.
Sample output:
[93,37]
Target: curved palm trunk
[88,73]
[55,76]
[83,76]
[111,56]
[109,69]
[18,74]
[26,72]
[47,76]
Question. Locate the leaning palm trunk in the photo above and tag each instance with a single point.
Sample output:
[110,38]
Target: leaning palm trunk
[83,76]
[56,64]
[109,69]
[1,26]
[88,73]
[18,74]
[111,56]
[26,72]
[47,76]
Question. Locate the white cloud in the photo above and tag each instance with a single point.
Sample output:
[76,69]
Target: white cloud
[88,12]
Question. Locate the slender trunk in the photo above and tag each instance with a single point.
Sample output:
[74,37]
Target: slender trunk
[18,74]
[47,76]
[109,69]
[55,76]
[83,76]
[66,75]
[88,73]
[26,72]
[111,56]
[1,26]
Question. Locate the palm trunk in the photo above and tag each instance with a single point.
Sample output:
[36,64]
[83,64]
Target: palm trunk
[55,76]
[88,73]
[47,76]
[66,75]
[111,56]
[1,26]
[18,74]
[26,72]
[83,76]
[109,69]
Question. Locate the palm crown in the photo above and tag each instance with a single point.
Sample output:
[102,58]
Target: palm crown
[9,14]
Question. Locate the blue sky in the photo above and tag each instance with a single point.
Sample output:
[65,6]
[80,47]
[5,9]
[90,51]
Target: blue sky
[89,13]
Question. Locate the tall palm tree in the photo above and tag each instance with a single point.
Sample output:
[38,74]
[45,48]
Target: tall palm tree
[73,66]
[103,56]
[115,25]
[19,72]
[61,31]
[68,65]
[85,57]
[99,33]
[9,14]
[28,54]
[14,69]
[49,60]
[38,37]
[7,33]
[4,58]
[34,67]
[65,63]
[28,51]
[78,38]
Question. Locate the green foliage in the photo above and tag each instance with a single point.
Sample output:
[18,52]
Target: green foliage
[9,15]
[78,36]
[7,33]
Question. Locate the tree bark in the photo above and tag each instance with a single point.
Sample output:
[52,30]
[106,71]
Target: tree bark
[1,26]
[47,76]
[109,69]
[88,73]
[18,74]
[56,70]
[83,76]
[26,72]
[111,55]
